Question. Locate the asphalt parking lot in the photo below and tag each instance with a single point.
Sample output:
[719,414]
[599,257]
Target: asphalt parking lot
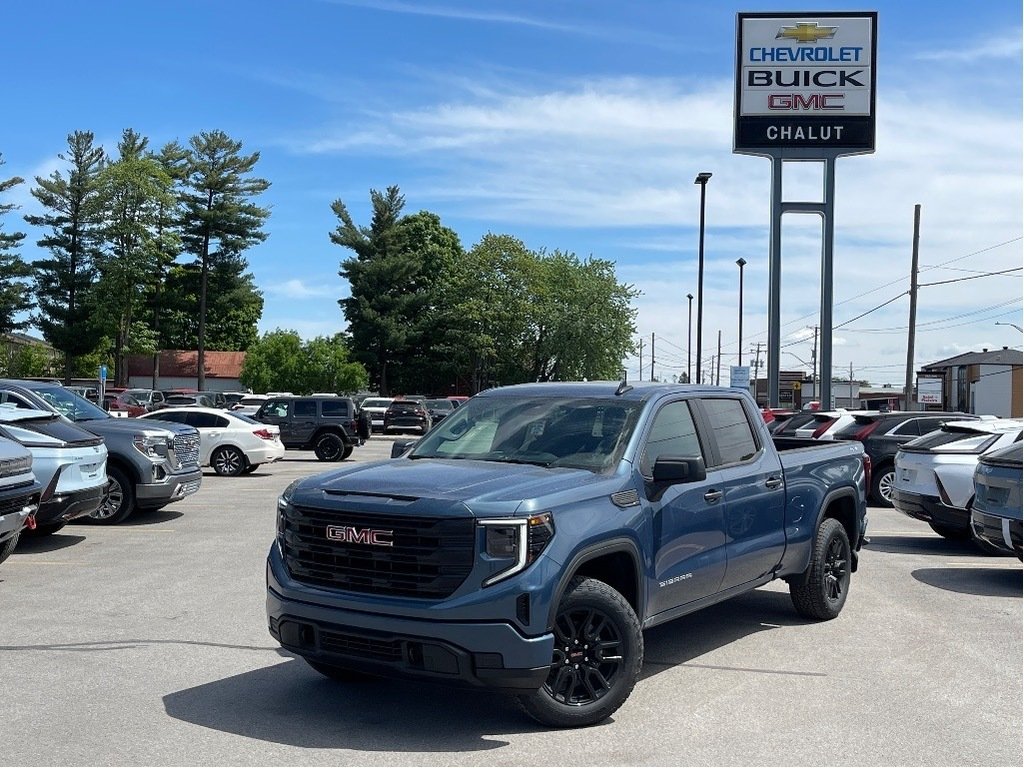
[146,643]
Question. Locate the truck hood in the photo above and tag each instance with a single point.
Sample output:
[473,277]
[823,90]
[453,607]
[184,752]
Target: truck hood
[444,486]
[113,426]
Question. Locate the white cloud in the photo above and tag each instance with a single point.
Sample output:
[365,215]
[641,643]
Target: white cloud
[297,289]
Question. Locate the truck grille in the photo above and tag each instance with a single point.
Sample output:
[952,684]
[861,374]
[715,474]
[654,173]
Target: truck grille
[15,504]
[429,557]
[186,449]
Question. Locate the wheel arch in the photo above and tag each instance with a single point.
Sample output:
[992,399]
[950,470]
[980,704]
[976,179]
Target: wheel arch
[128,469]
[616,563]
[222,446]
[841,505]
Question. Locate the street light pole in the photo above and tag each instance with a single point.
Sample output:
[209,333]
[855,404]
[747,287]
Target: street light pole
[702,180]
[689,338]
[741,262]
[1012,325]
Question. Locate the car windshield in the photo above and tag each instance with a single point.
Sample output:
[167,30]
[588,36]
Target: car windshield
[551,432]
[440,405]
[375,403]
[67,403]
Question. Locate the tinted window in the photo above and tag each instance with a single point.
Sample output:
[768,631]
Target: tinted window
[910,428]
[305,409]
[178,417]
[672,434]
[205,420]
[336,407]
[728,422]
[278,408]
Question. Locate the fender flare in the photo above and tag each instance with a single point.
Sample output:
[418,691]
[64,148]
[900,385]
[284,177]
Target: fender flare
[838,493]
[618,544]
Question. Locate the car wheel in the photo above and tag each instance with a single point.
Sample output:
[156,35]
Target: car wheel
[250,468]
[228,461]
[119,502]
[45,530]
[881,485]
[8,546]
[598,652]
[823,592]
[951,533]
[329,447]
[347,452]
[341,674]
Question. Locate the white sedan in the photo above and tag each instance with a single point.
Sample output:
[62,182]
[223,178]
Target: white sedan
[231,443]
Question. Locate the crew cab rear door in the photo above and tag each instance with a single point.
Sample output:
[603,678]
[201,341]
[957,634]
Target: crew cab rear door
[687,519]
[751,478]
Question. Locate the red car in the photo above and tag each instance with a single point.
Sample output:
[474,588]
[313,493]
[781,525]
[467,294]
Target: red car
[122,405]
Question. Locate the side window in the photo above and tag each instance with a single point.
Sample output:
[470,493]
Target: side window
[176,416]
[205,420]
[18,401]
[909,428]
[220,422]
[305,409]
[729,424]
[334,407]
[278,408]
[158,397]
[672,434]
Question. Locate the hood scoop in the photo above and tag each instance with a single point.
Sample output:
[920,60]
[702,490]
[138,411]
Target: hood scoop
[386,498]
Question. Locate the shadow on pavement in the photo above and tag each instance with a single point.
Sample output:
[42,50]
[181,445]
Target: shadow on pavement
[29,545]
[987,582]
[921,545]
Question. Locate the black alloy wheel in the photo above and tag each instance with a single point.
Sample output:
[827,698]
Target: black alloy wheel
[329,447]
[822,590]
[598,651]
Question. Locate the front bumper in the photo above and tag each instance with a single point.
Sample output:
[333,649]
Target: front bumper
[68,505]
[486,653]
[12,521]
[930,509]
[1001,532]
[171,488]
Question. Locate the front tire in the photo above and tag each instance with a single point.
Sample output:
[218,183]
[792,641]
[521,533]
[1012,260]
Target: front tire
[881,485]
[119,502]
[598,652]
[228,461]
[329,447]
[8,546]
[823,593]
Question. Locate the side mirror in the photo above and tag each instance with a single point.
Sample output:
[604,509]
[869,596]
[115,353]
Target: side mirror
[669,470]
[401,446]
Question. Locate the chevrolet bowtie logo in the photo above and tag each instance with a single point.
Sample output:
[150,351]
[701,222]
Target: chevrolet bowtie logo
[806,32]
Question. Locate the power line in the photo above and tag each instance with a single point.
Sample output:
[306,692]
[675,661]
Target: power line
[972,277]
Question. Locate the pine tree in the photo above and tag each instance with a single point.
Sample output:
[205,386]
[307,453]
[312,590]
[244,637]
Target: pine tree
[15,296]
[64,281]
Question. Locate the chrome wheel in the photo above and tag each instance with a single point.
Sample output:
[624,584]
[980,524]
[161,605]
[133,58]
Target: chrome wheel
[228,462]
[113,501]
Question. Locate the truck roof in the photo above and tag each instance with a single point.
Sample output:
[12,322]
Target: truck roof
[641,390]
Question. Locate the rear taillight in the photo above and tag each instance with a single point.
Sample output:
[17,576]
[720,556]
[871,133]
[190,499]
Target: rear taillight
[867,472]
[264,434]
[821,430]
[862,433]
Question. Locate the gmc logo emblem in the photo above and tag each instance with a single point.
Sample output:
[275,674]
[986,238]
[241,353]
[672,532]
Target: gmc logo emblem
[352,535]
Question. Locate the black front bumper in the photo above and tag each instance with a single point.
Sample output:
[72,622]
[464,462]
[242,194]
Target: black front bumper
[1001,532]
[930,509]
[62,507]
[396,655]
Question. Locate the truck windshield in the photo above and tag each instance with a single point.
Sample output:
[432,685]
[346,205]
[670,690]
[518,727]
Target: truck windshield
[67,403]
[550,432]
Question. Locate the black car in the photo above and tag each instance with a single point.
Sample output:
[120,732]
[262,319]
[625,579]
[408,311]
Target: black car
[439,409]
[403,415]
[882,435]
[330,426]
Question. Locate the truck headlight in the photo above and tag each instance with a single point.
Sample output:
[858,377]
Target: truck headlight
[284,503]
[153,445]
[518,540]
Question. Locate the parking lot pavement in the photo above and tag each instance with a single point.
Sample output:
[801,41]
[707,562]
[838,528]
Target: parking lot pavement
[146,643]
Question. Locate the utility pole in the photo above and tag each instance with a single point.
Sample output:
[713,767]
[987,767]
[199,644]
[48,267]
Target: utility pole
[757,367]
[652,355]
[814,369]
[908,389]
[718,361]
[641,358]
[851,385]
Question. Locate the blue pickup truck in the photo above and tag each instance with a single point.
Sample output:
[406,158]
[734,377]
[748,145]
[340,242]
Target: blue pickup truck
[527,541]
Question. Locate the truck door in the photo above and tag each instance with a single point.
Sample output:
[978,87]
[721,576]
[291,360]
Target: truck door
[755,497]
[688,522]
[303,421]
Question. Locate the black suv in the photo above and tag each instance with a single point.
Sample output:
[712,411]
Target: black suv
[882,435]
[330,426]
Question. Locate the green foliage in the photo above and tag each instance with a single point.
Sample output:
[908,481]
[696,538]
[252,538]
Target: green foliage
[220,220]
[280,361]
[15,295]
[30,360]
[233,312]
[64,281]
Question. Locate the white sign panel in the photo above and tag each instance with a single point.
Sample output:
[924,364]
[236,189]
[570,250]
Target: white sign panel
[805,81]
[929,390]
[739,377]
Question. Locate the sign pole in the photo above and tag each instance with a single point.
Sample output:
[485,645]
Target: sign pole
[827,240]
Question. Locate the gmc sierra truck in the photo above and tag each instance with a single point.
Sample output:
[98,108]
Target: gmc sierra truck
[19,495]
[527,541]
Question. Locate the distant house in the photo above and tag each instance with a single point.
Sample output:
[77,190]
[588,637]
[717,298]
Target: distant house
[986,382]
[178,369]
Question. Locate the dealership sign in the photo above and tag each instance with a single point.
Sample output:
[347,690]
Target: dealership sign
[806,82]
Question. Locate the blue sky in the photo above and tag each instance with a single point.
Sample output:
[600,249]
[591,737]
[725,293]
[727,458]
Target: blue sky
[572,125]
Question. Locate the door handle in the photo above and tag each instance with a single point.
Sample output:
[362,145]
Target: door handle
[773,483]
[712,496]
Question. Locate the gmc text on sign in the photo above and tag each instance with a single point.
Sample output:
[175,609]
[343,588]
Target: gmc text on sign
[805,81]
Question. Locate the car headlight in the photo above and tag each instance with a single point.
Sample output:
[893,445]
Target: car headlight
[284,503]
[154,445]
[519,541]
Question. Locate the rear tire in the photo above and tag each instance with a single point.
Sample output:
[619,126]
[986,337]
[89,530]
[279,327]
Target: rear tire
[598,652]
[119,502]
[329,447]
[881,485]
[339,674]
[228,461]
[823,594]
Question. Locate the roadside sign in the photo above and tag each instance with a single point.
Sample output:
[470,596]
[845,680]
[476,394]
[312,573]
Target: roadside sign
[739,377]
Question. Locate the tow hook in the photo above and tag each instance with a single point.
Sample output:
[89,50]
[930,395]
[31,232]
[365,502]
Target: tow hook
[30,522]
